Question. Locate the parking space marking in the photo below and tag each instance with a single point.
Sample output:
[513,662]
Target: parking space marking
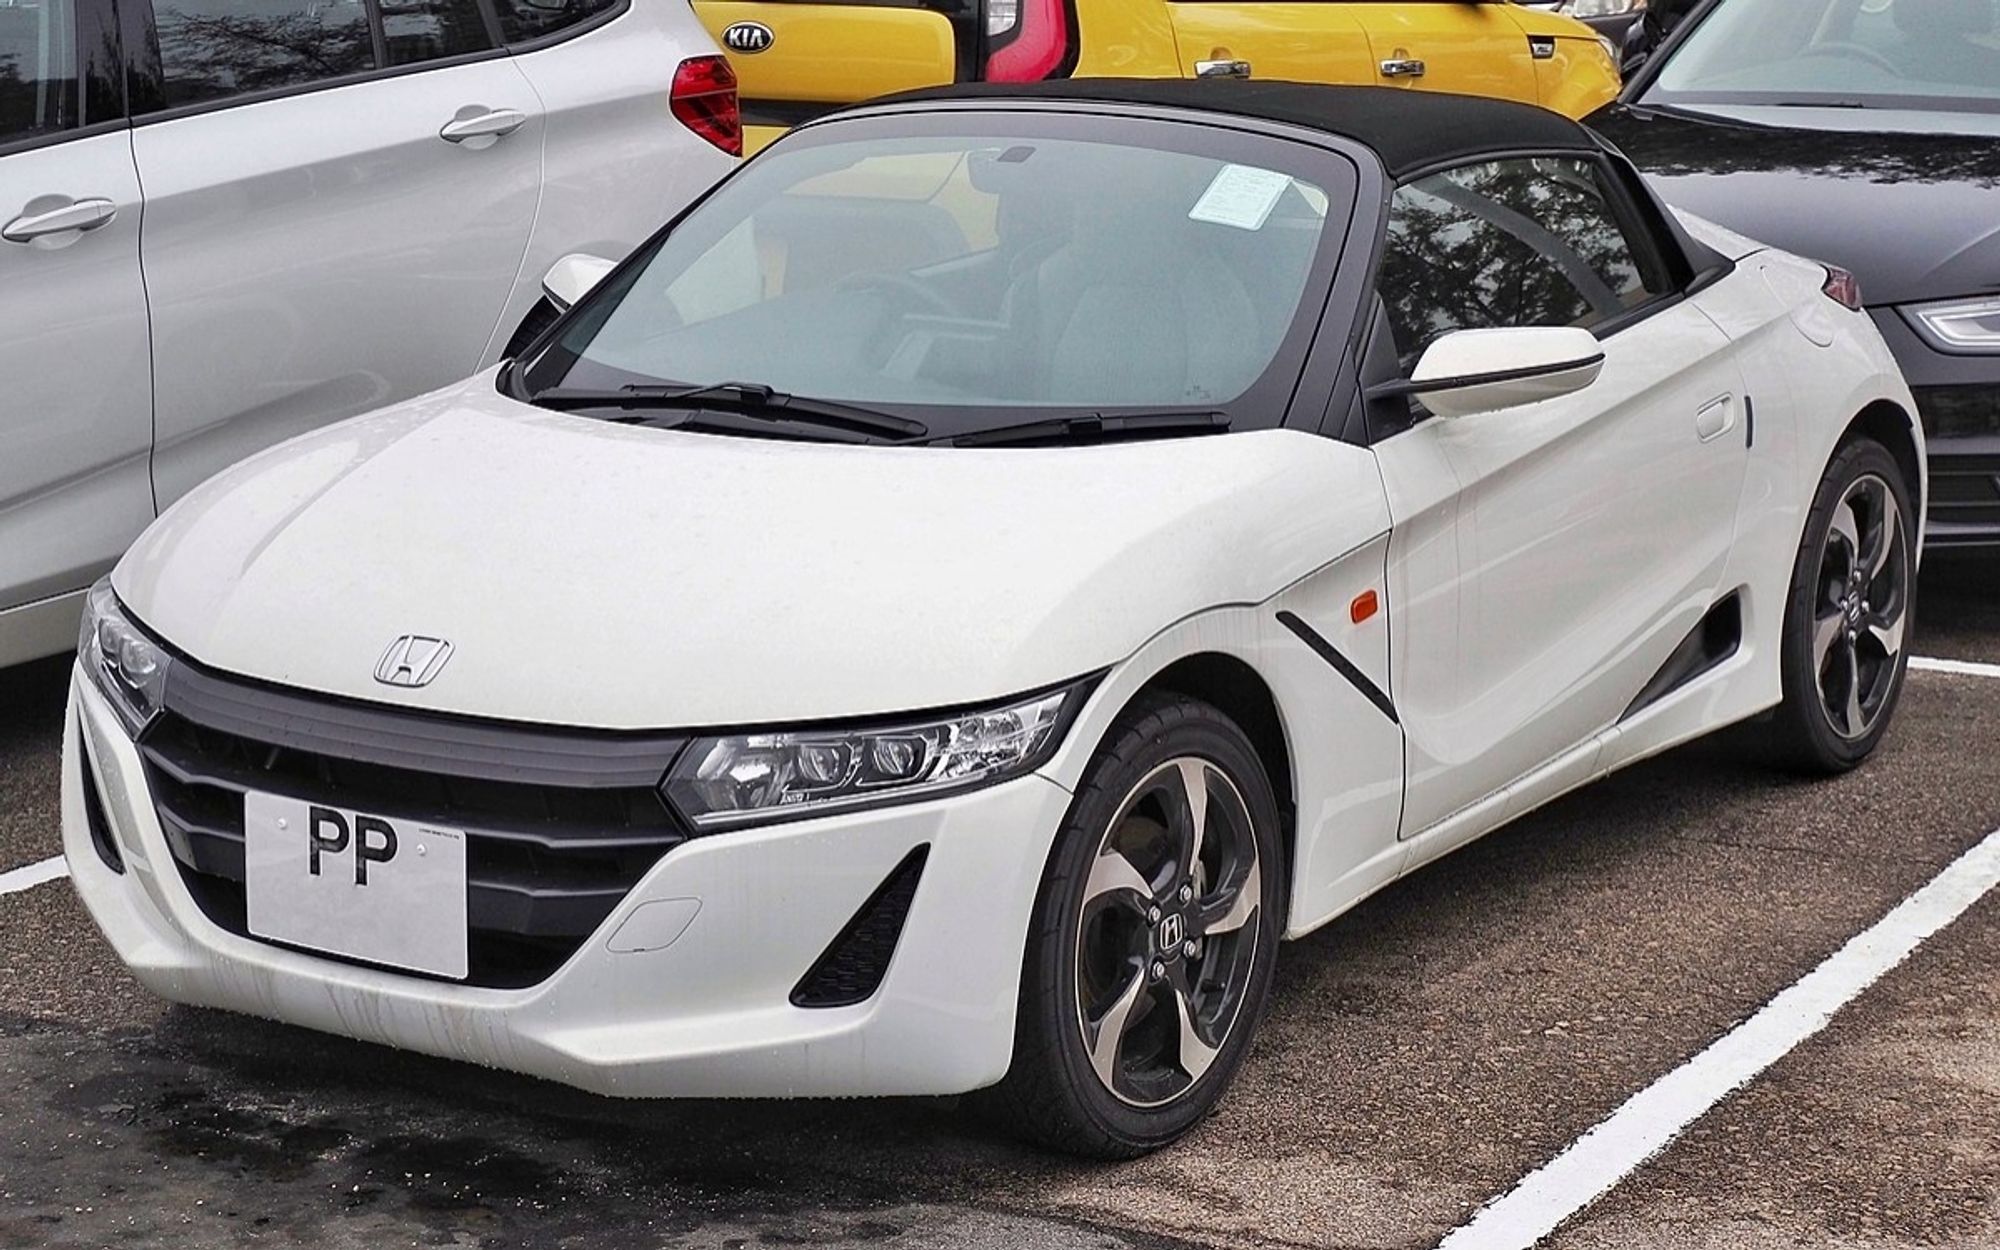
[1651,1119]
[1961,668]
[51,869]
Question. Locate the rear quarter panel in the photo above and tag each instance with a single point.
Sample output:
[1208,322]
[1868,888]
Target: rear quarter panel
[617,165]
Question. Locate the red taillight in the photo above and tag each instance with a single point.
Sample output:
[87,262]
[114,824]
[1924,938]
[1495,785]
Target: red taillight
[704,99]
[1037,49]
[1843,288]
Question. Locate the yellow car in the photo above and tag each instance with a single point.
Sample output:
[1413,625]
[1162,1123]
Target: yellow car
[795,60]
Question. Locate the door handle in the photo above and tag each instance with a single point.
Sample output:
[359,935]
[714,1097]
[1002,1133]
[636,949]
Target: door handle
[77,215]
[1715,420]
[491,124]
[1222,69]
[1403,67]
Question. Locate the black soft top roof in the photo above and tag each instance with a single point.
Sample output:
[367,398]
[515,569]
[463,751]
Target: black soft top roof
[1409,130]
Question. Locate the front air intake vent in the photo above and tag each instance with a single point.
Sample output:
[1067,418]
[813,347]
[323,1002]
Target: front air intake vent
[94,815]
[852,968]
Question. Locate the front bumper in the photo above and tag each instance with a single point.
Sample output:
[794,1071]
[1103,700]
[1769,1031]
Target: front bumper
[1958,400]
[706,1015]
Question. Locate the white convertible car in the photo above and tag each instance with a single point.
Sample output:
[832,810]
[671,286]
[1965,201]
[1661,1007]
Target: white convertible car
[936,617]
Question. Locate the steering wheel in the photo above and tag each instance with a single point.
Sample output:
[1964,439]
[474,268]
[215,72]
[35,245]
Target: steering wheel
[902,284]
[1845,51]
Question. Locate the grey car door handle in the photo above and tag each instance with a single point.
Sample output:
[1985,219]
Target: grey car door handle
[1403,67]
[1715,420]
[1222,69]
[492,124]
[78,215]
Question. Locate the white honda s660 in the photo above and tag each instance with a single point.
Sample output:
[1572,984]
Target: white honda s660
[936,617]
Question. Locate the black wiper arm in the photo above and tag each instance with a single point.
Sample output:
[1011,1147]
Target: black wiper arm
[744,398]
[1095,428]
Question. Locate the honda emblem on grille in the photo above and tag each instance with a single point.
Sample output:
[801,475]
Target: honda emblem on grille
[412,660]
[748,37]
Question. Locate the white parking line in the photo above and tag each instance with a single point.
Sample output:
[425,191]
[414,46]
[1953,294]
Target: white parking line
[1962,668]
[1655,1116]
[28,878]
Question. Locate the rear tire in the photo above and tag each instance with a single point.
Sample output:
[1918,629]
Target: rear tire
[1849,615]
[1150,955]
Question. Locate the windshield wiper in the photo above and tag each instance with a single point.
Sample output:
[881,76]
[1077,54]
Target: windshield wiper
[747,399]
[1096,428]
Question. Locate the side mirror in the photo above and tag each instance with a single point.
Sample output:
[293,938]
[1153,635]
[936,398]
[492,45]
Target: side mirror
[573,277]
[1642,39]
[1473,371]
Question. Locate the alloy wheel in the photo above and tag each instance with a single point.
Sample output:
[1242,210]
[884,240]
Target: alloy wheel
[1861,607]
[1167,942]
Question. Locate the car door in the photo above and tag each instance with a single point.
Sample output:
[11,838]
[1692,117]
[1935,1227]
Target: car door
[339,198]
[1281,39]
[1548,560]
[75,388]
[1448,45]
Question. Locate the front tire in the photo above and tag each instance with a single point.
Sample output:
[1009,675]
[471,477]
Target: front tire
[1849,615]
[1149,960]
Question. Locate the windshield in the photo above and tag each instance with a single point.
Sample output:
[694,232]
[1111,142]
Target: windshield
[973,270]
[1892,54]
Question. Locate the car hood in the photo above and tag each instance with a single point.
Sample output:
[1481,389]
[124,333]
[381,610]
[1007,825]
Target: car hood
[600,575]
[1915,216]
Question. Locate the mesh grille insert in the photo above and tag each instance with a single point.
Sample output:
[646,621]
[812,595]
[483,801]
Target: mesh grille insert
[852,968]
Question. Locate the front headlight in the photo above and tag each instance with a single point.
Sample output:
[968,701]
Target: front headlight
[128,668]
[1964,325]
[788,775]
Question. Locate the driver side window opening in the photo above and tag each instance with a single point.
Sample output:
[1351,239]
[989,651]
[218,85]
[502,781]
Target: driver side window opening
[38,71]
[1531,241]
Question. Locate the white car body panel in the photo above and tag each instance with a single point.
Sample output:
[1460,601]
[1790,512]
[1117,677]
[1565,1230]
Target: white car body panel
[1498,514]
[321,255]
[1533,568]
[703,1015]
[75,425]
[1034,567]
[615,163]
[302,259]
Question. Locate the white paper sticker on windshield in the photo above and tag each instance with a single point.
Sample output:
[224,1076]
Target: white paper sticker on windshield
[1241,196]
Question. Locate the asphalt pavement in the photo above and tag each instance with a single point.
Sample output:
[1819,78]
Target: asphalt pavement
[1423,1054]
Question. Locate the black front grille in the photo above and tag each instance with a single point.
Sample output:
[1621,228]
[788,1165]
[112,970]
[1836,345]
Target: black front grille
[560,825]
[1965,491]
[1964,427]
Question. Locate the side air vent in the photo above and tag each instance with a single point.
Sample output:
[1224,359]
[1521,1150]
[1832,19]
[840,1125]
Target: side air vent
[852,968]
[1703,651]
[94,815]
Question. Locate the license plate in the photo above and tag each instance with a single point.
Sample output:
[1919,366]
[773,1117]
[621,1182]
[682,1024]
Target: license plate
[384,889]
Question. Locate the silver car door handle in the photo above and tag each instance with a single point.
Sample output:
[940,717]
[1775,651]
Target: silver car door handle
[491,124]
[78,215]
[1717,419]
[1403,67]
[1222,69]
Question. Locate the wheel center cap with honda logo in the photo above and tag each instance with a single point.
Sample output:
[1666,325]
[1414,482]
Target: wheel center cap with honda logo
[748,38]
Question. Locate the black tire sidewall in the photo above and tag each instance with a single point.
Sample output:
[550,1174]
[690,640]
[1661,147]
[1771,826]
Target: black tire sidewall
[1180,728]
[1814,742]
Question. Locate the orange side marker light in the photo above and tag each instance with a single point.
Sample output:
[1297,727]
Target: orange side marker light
[1365,605]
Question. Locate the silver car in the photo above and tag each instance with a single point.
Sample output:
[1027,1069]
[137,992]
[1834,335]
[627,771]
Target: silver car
[224,222]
